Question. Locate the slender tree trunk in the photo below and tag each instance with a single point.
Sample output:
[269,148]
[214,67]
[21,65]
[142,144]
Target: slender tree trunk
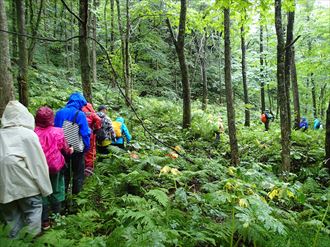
[245,87]
[72,21]
[122,40]
[128,90]
[34,33]
[203,71]
[6,79]
[23,59]
[288,61]
[229,91]
[281,88]
[220,72]
[321,100]
[327,139]
[84,51]
[201,53]
[179,47]
[55,20]
[262,78]
[313,95]
[105,23]
[94,21]
[45,29]
[14,29]
[112,26]
[295,91]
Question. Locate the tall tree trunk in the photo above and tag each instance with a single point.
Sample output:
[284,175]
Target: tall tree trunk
[84,51]
[34,33]
[220,71]
[94,21]
[14,29]
[245,87]
[6,79]
[295,91]
[321,100]
[201,53]
[128,91]
[122,40]
[327,139]
[281,88]
[179,47]
[313,95]
[262,78]
[288,61]
[55,19]
[112,26]
[203,71]
[229,91]
[23,59]
[105,23]
[72,21]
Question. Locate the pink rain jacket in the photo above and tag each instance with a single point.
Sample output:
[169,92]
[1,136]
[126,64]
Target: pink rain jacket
[51,139]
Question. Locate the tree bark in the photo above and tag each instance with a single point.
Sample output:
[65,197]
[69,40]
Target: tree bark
[288,61]
[262,78]
[34,33]
[6,79]
[84,51]
[122,40]
[281,88]
[321,100]
[295,91]
[179,47]
[14,29]
[112,26]
[23,59]
[128,91]
[94,21]
[245,87]
[229,91]
[313,95]
[327,139]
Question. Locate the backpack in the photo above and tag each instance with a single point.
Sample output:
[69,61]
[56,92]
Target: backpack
[263,118]
[72,135]
[117,128]
[101,135]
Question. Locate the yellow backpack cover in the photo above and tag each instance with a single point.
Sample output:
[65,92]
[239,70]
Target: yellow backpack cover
[117,128]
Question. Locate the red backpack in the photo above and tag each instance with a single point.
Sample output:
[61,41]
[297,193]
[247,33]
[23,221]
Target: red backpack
[263,118]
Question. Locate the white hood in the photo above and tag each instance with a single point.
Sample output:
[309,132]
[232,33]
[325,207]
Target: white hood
[16,114]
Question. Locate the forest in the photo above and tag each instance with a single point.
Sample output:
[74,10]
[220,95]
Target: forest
[174,69]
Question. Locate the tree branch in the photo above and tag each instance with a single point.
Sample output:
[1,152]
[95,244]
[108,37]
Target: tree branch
[171,32]
[67,7]
[292,43]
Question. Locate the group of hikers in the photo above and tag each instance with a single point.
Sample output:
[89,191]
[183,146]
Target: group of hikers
[267,116]
[40,156]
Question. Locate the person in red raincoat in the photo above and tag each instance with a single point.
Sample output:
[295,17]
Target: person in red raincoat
[94,123]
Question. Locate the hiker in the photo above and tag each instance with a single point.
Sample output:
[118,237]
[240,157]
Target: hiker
[317,124]
[219,131]
[24,176]
[76,132]
[121,131]
[266,117]
[107,134]
[53,143]
[303,124]
[94,123]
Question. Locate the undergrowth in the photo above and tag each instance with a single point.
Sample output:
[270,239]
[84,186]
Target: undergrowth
[150,197]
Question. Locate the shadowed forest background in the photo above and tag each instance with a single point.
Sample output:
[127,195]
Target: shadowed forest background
[171,69]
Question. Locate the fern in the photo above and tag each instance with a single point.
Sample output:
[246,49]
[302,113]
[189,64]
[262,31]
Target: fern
[159,196]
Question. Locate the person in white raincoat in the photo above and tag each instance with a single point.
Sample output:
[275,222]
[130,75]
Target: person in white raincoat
[23,171]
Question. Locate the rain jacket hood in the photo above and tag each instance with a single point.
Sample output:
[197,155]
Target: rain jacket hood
[44,117]
[76,100]
[16,114]
[120,119]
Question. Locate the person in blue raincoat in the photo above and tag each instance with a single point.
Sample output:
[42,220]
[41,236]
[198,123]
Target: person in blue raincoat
[303,124]
[317,123]
[121,132]
[76,160]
